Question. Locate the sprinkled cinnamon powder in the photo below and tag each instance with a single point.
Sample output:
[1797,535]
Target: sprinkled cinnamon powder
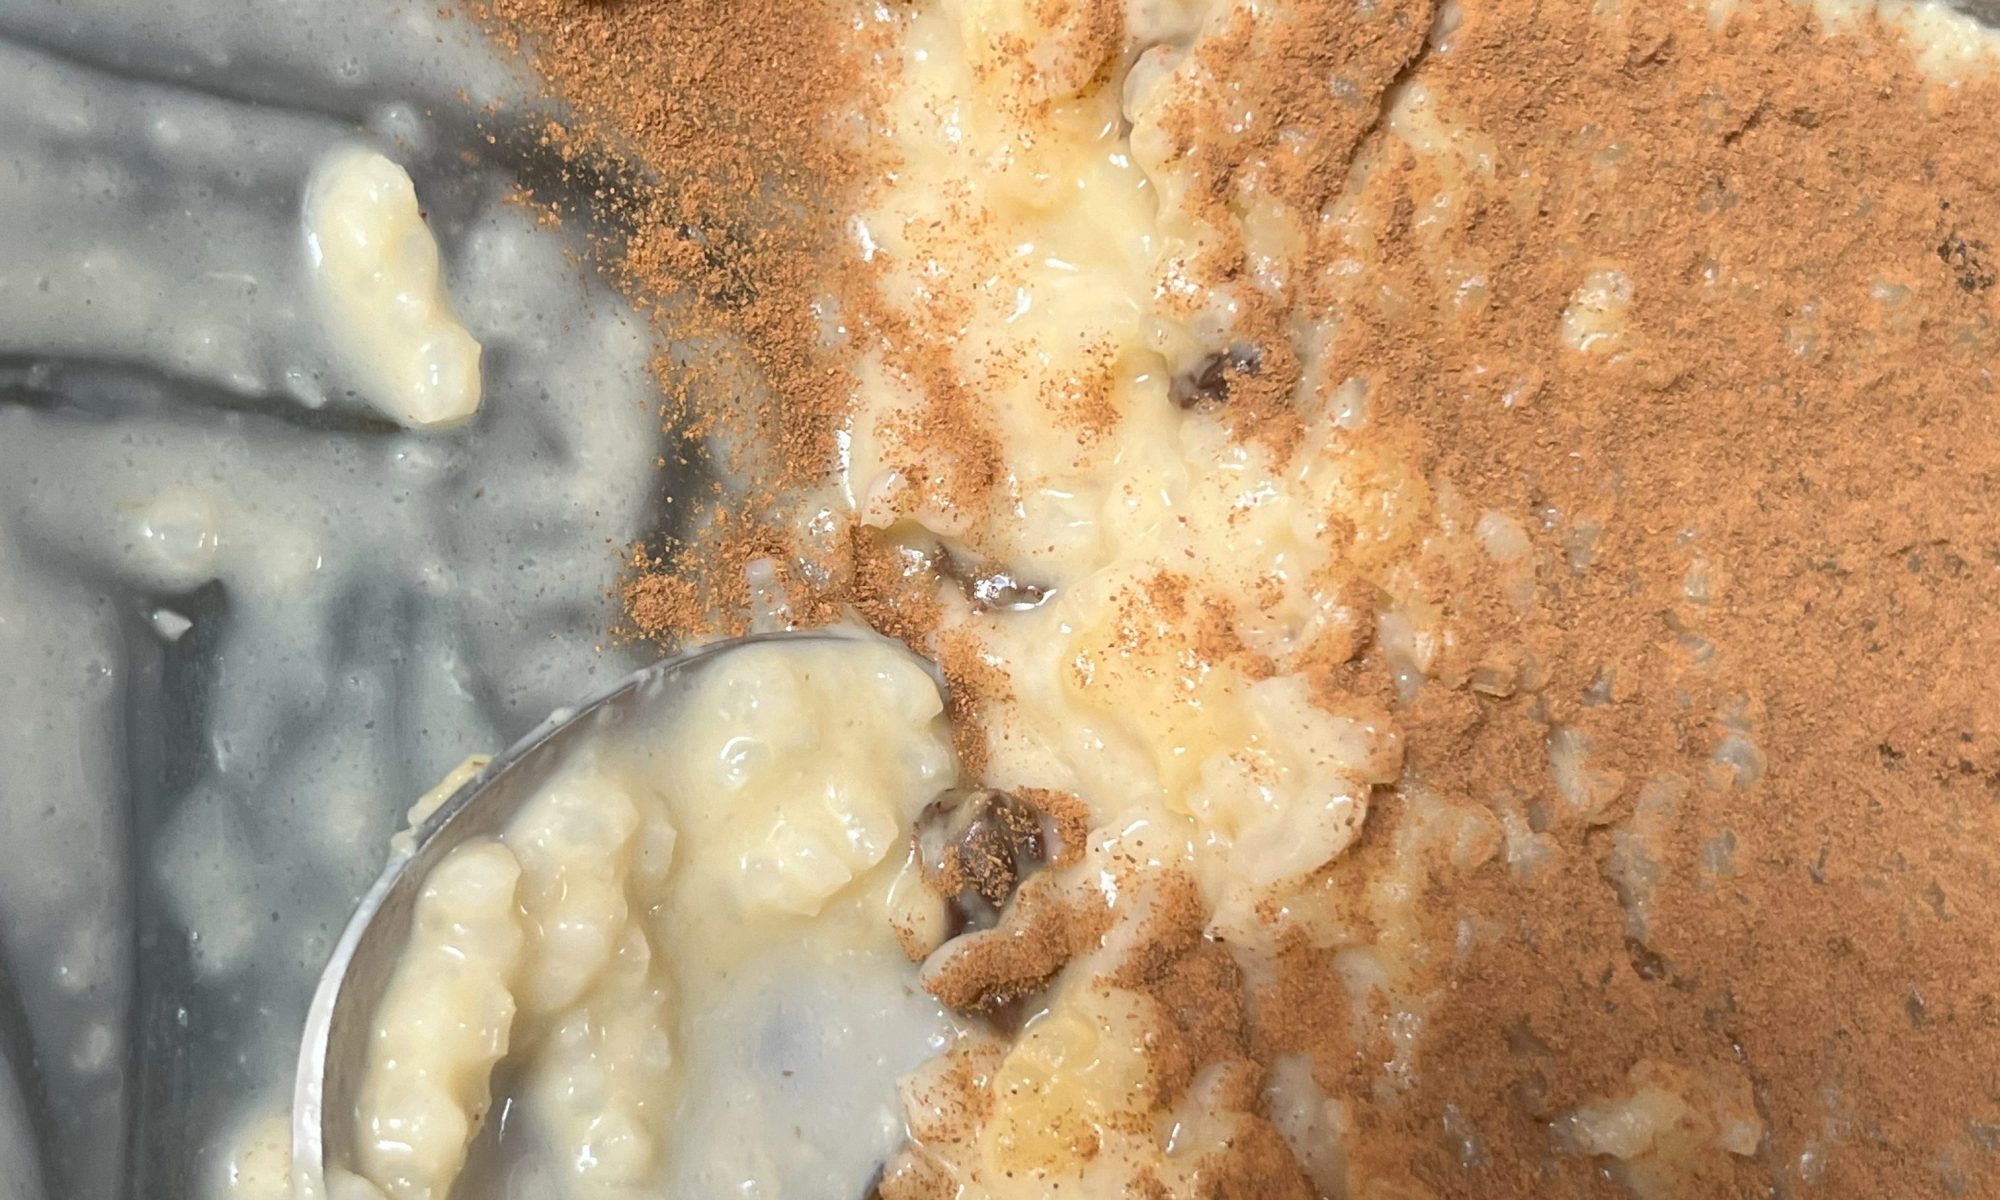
[1773,523]
[1757,604]
[700,134]
[1041,932]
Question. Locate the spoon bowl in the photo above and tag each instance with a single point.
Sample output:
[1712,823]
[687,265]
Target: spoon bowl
[334,1050]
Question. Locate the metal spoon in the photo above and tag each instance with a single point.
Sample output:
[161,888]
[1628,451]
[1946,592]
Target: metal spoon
[335,1047]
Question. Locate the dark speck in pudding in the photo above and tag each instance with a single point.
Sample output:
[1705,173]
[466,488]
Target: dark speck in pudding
[976,845]
[1207,385]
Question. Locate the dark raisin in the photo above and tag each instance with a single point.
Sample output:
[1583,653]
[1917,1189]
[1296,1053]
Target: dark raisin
[975,846]
[1207,385]
[1647,962]
[988,586]
[1970,261]
[1001,590]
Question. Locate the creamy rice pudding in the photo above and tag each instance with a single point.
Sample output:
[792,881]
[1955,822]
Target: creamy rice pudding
[1111,448]
[1458,539]
[1281,422]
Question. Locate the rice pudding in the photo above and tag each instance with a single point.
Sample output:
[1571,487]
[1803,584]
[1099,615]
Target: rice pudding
[1120,432]
[1459,538]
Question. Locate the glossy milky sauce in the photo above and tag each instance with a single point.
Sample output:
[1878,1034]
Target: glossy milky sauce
[248,608]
